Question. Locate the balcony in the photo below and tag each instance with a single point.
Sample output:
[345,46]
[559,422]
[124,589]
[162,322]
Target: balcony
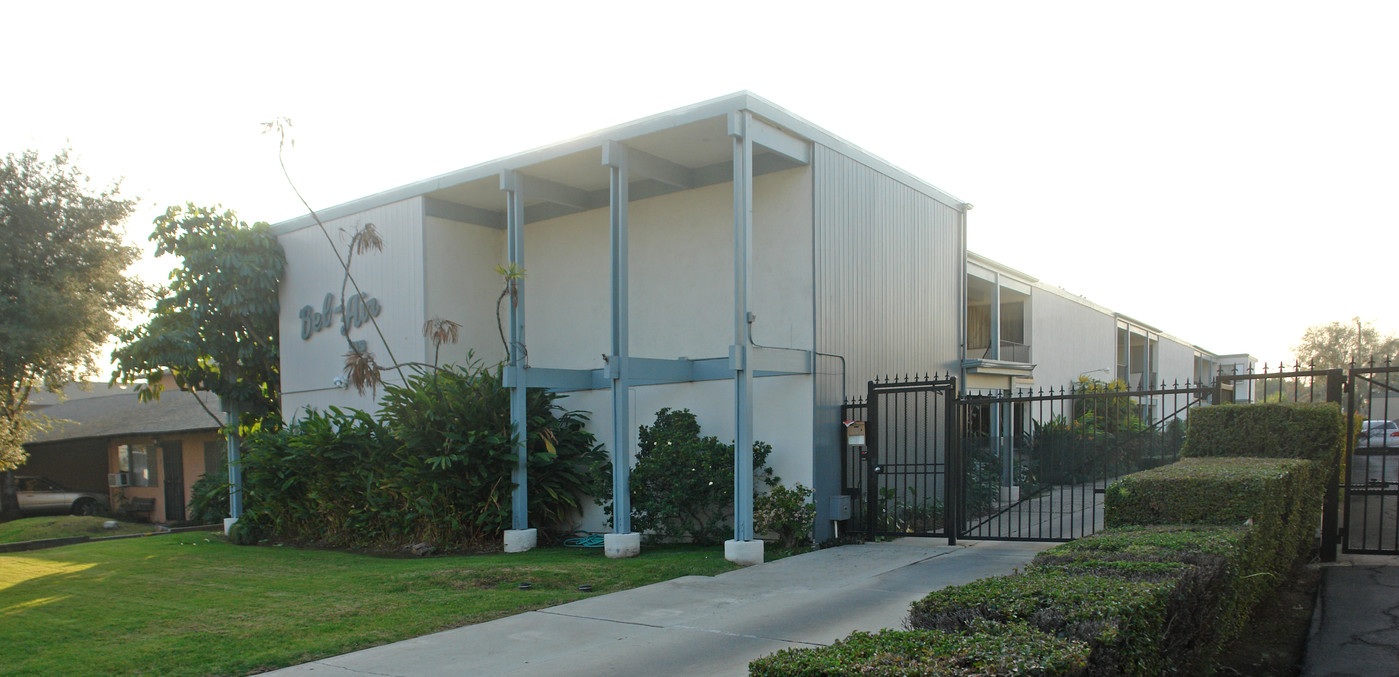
[1010,352]
[1011,369]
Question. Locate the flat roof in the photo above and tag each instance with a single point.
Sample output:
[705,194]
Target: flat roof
[693,137]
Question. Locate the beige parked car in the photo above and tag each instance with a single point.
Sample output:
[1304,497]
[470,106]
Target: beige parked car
[43,496]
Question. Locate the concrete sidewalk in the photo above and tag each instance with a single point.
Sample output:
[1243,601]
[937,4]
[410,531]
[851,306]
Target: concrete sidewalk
[697,625]
[1355,628]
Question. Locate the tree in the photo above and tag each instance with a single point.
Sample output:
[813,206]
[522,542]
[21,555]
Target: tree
[1337,344]
[214,326]
[63,287]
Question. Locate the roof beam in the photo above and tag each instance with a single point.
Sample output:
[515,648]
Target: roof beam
[557,193]
[643,164]
[778,140]
[453,211]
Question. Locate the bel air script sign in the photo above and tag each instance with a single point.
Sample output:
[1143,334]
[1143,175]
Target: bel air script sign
[358,309]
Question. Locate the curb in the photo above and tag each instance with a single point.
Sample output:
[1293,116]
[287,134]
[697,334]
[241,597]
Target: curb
[45,543]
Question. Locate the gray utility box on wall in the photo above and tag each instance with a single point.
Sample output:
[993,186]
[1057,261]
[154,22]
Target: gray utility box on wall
[840,507]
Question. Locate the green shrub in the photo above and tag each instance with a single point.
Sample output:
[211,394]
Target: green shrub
[682,483]
[1313,431]
[434,467]
[454,425]
[1208,491]
[787,512]
[991,649]
[245,532]
[208,497]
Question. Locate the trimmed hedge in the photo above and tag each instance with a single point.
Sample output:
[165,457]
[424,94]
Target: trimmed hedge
[1210,491]
[1145,600]
[1313,431]
[994,649]
[1222,575]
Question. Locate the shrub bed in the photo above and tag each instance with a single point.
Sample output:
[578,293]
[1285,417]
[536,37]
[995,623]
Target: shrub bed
[434,466]
[996,649]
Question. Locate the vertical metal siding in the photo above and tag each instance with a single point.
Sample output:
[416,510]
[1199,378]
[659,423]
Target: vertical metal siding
[888,293]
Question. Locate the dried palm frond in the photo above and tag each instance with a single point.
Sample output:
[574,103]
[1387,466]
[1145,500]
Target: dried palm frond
[362,371]
[441,331]
[366,239]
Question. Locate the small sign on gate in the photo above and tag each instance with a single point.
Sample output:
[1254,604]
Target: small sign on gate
[854,433]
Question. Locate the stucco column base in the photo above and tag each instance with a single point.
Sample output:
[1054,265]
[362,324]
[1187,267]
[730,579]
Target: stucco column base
[744,553]
[1010,494]
[520,540]
[619,546]
[228,523]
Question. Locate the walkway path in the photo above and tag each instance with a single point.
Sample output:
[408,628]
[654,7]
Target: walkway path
[697,625]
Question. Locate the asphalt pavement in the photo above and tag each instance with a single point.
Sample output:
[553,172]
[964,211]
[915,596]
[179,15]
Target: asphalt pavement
[1355,627]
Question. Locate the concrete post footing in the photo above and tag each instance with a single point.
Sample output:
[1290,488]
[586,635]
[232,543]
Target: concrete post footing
[228,523]
[744,553]
[520,540]
[619,546]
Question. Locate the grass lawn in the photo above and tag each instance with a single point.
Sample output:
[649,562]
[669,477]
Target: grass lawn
[194,604]
[64,526]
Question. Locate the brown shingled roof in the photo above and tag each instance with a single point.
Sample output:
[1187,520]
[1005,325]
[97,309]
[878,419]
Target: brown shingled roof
[124,414]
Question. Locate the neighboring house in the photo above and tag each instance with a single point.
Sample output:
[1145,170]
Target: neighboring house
[670,261]
[116,443]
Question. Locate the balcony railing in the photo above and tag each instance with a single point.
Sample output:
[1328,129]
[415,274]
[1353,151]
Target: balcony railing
[1010,352]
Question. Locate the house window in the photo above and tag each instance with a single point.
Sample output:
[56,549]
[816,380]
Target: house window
[138,462]
[214,454]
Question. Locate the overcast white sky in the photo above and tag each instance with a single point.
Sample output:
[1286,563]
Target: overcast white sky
[1224,171]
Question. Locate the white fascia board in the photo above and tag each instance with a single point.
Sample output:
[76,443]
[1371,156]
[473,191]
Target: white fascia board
[520,161]
[992,264]
[721,106]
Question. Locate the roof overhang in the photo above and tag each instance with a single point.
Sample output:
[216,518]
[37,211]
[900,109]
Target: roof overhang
[686,148]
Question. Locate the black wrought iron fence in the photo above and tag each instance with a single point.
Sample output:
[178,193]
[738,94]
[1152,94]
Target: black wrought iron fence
[1037,462]
[1034,465]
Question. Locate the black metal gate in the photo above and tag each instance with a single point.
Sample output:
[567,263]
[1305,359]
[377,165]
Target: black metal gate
[1370,523]
[899,478]
[1036,464]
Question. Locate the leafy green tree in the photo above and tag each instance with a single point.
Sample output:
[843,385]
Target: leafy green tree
[1336,344]
[214,326]
[63,287]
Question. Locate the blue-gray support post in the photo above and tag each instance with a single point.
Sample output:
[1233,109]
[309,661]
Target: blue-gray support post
[515,241]
[743,376]
[999,444]
[614,156]
[235,461]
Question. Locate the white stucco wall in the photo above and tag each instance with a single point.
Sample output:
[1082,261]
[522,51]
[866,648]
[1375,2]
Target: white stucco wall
[1070,338]
[394,277]
[461,285]
[681,275]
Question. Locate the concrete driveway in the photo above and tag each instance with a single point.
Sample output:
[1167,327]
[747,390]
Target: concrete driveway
[697,625]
